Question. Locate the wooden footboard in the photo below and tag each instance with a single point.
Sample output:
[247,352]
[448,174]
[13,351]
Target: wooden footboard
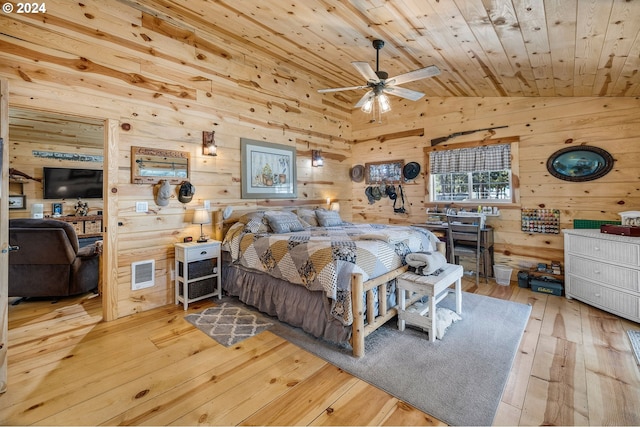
[358,289]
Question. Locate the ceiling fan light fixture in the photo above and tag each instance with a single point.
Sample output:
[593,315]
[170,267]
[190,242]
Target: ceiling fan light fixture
[368,105]
[383,103]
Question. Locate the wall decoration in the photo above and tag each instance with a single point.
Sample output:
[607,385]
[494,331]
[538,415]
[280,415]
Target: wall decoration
[18,202]
[268,170]
[545,221]
[67,156]
[56,209]
[389,172]
[581,163]
[150,165]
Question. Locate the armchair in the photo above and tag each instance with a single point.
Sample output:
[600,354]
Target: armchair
[48,261]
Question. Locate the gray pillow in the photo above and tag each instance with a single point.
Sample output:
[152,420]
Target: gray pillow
[283,221]
[328,218]
[308,216]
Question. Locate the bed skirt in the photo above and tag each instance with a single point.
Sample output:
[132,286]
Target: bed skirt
[290,303]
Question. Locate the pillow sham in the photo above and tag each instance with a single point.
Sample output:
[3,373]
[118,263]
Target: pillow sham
[255,222]
[328,218]
[283,221]
[308,216]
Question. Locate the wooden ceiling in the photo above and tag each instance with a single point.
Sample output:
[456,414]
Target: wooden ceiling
[502,48]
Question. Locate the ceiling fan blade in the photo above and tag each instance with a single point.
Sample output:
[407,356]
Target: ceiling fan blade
[366,96]
[338,89]
[365,69]
[403,93]
[422,73]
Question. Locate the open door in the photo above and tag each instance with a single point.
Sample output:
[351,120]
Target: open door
[4,231]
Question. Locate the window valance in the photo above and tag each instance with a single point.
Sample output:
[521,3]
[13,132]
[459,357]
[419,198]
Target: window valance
[490,157]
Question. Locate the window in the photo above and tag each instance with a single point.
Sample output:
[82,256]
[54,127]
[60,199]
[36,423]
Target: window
[472,174]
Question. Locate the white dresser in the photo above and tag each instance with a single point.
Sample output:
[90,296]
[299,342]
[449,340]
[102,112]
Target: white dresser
[603,270]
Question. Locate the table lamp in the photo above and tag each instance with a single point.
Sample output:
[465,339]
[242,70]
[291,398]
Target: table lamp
[201,216]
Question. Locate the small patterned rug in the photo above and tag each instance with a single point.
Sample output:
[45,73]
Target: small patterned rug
[228,324]
[634,337]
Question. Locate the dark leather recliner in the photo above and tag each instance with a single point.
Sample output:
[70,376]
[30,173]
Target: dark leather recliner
[49,262]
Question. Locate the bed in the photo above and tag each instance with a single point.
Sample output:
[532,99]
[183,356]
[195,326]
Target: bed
[333,279]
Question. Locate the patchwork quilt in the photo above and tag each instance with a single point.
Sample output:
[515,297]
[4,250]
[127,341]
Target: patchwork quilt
[323,258]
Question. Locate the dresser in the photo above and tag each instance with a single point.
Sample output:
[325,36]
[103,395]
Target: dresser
[603,270]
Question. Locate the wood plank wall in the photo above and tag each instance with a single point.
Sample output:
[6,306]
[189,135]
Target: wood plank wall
[544,125]
[164,84]
[23,160]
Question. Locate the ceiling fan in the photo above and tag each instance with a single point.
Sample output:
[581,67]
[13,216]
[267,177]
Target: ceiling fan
[379,83]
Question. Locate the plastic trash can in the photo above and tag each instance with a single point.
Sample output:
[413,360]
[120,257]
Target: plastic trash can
[503,274]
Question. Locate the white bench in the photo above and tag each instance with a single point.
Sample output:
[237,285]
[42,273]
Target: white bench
[432,286]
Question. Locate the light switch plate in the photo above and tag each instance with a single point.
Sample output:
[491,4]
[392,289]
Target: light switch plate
[142,207]
[207,204]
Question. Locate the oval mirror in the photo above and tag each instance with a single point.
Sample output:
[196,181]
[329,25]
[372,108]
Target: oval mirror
[579,164]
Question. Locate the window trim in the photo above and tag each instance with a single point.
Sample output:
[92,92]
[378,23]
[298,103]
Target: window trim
[515,168]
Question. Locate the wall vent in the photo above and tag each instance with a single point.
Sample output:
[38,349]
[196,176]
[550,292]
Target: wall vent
[142,274]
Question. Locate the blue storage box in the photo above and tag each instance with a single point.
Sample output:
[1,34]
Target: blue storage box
[546,287]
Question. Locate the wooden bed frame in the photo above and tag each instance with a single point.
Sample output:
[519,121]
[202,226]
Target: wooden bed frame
[359,330]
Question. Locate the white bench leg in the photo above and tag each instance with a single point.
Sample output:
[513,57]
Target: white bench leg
[402,294]
[432,318]
[459,296]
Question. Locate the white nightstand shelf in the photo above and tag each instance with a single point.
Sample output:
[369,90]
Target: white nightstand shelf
[197,271]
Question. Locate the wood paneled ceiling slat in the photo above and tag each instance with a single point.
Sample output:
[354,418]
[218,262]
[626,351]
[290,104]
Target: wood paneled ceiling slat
[590,33]
[561,26]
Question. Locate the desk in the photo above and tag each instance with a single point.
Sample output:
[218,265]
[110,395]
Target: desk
[486,242]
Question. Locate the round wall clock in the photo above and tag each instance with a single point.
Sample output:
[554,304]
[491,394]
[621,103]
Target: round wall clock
[578,164]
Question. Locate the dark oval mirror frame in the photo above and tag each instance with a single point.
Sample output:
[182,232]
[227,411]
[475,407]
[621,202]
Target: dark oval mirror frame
[571,154]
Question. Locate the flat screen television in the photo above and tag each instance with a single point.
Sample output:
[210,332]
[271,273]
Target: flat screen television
[68,183]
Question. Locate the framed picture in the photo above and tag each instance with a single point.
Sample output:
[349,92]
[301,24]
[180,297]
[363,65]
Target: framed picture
[389,172]
[56,209]
[18,202]
[581,163]
[268,170]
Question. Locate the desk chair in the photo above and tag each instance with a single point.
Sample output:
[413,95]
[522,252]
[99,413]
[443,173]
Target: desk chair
[464,239]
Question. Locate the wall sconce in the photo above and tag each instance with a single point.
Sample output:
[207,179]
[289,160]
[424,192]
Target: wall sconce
[317,161]
[209,147]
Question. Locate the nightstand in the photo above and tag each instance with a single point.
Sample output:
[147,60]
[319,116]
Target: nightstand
[197,271]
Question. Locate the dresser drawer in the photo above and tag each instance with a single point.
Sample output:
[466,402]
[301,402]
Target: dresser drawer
[611,300]
[604,250]
[619,277]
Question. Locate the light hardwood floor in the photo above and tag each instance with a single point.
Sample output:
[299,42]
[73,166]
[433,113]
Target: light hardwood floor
[67,367]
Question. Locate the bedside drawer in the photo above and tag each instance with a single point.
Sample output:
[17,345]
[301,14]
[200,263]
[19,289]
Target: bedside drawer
[605,250]
[608,299]
[620,277]
[196,253]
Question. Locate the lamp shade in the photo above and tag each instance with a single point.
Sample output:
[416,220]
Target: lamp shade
[335,206]
[201,216]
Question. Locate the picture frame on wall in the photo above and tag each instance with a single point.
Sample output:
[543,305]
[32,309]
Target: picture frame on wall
[18,201]
[268,170]
[389,172]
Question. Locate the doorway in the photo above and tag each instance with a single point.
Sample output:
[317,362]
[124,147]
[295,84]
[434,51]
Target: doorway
[41,140]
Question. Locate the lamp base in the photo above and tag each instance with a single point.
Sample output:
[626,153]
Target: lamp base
[202,239]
